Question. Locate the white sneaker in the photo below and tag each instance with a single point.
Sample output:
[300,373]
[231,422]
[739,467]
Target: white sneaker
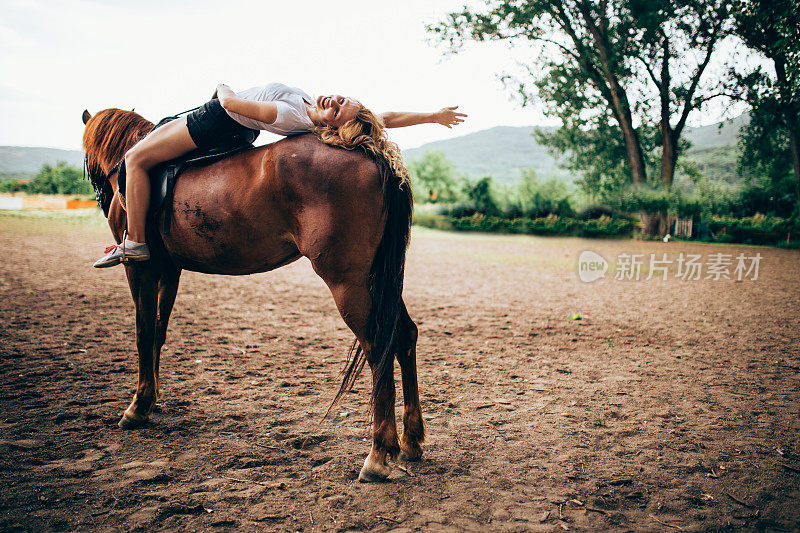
[122,253]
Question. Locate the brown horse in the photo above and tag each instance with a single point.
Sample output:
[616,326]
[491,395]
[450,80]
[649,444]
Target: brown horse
[264,208]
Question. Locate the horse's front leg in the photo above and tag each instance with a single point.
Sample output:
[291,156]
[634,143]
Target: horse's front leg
[143,281]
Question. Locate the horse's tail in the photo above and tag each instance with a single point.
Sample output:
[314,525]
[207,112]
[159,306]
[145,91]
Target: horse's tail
[385,320]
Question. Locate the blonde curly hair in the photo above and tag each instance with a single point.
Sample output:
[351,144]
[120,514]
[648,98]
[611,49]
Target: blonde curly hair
[365,131]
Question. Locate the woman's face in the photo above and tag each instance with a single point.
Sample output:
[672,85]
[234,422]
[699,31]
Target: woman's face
[334,110]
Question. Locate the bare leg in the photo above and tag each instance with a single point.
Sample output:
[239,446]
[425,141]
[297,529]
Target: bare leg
[413,425]
[167,142]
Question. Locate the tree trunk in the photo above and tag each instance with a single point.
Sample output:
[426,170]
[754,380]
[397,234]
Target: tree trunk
[633,149]
[791,116]
[654,224]
[620,107]
[669,157]
[794,143]
[617,98]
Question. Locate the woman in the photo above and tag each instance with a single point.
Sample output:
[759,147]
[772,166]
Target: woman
[276,108]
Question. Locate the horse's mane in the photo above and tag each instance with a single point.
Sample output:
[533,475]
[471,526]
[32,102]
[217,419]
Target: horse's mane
[108,135]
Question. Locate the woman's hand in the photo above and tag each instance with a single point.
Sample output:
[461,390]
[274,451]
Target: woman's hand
[223,92]
[448,116]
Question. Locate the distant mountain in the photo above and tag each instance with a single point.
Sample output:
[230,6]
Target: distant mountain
[721,134]
[28,160]
[502,152]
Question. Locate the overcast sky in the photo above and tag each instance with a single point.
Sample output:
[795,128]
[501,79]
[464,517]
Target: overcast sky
[59,57]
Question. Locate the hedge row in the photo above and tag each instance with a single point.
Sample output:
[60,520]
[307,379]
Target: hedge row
[757,229]
[551,225]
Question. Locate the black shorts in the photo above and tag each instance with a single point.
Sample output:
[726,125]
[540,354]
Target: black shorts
[211,126]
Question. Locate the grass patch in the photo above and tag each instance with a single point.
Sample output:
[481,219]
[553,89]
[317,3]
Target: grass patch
[41,222]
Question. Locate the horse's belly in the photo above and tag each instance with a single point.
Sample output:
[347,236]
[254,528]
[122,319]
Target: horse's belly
[211,239]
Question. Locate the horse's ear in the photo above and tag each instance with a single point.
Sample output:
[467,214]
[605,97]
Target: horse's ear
[133,109]
[86,116]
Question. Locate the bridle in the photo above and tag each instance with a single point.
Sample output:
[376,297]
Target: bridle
[103,192]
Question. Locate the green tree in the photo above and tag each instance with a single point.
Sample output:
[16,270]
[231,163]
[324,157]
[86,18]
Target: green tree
[434,177]
[674,43]
[608,66]
[539,198]
[482,196]
[13,185]
[771,141]
[59,179]
[597,156]
[766,163]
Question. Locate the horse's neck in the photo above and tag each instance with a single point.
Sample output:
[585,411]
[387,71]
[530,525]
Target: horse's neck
[112,179]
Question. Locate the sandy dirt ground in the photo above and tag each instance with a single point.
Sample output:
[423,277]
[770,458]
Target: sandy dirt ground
[670,405]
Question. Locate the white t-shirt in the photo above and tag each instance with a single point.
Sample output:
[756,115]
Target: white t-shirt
[292,115]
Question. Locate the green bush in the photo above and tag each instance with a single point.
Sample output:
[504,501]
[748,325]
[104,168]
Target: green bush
[13,185]
[430,219]
[758,229]
[59,179]
[434,178]
[608,227]
[482,195]
[538,198]
[550,225]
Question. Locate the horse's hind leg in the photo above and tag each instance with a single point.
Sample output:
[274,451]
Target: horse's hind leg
[143,282]
[354,304]
[167,290]
[413,424]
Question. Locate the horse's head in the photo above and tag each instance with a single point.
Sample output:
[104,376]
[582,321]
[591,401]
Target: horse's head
[108,135]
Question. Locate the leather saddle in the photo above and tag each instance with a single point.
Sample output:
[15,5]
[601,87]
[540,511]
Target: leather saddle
[164,175]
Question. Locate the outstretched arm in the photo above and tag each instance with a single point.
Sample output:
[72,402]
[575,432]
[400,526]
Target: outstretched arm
[266,112]
[446,116]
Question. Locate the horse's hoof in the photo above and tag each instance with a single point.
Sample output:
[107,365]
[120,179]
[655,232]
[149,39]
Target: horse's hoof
[410,457]
[129,423]
[373,472]
[409,451]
